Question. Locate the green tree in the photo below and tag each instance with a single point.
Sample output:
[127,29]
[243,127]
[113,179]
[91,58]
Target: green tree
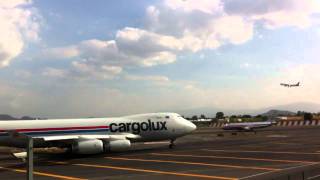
[202,116]
[265,118]
[247,116]
[195,117]
[307,116]
[233,116]
[219,115]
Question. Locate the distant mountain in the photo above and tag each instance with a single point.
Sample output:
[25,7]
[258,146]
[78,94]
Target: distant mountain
[28,118]
[207,111]
[300,106]
[211,111]
[284,109]
[6,117]
[276,113]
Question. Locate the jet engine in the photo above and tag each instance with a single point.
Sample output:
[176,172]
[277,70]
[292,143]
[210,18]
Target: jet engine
[88,146]
[117,145]
[95,146]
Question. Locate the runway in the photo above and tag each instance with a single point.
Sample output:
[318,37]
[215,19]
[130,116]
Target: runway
[274,153]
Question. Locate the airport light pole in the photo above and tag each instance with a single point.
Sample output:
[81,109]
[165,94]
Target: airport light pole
[29,158]
[29,149]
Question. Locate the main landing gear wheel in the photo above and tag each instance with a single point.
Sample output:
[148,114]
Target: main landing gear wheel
[172,145]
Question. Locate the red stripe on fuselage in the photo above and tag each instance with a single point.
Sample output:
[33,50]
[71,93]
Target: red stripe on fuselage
[57,129]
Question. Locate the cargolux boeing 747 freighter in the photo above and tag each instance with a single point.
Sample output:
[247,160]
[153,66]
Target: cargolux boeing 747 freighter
[96,135]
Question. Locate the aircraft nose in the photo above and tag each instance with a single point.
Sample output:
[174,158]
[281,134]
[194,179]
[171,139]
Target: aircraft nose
[190,126]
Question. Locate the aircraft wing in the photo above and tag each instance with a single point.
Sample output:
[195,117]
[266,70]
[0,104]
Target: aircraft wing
[71,138]
[128,136]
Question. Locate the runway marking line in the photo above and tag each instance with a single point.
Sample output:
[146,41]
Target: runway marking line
[284,143]
[270,152]
[233,157]
[42,174]
[260,174]
[314,177]
[149,171]
[195,163]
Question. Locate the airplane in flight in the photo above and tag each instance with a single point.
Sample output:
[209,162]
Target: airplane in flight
[96,135]
[248,126]
[290,85]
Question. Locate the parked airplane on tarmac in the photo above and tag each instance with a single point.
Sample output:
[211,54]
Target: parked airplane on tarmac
[96,135]
[290,85]
[247,126]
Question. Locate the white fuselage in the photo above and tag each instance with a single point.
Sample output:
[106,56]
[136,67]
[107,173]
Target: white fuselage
[246,126]
[149,127]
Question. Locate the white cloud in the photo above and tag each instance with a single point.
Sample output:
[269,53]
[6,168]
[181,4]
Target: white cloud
[16,99]
[17,26]
[189,86]
[53,72]
[159,58]
[132,47]
[112,69]
[274,13]
[23,74]
[206,6]
[84,70]
[198,30]
[128,38]
[175,27]
[60,52]
[233,29]
[147,78]
[13,3]
[138,47]
[246,65]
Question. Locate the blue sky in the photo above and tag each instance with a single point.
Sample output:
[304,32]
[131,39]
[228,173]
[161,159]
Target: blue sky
[102,58]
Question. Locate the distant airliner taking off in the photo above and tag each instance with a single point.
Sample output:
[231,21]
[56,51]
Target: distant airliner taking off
[247,126]
[96,135]
[290,85]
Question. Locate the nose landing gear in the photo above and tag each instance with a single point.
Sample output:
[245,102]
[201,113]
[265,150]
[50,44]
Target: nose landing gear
[172,145]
